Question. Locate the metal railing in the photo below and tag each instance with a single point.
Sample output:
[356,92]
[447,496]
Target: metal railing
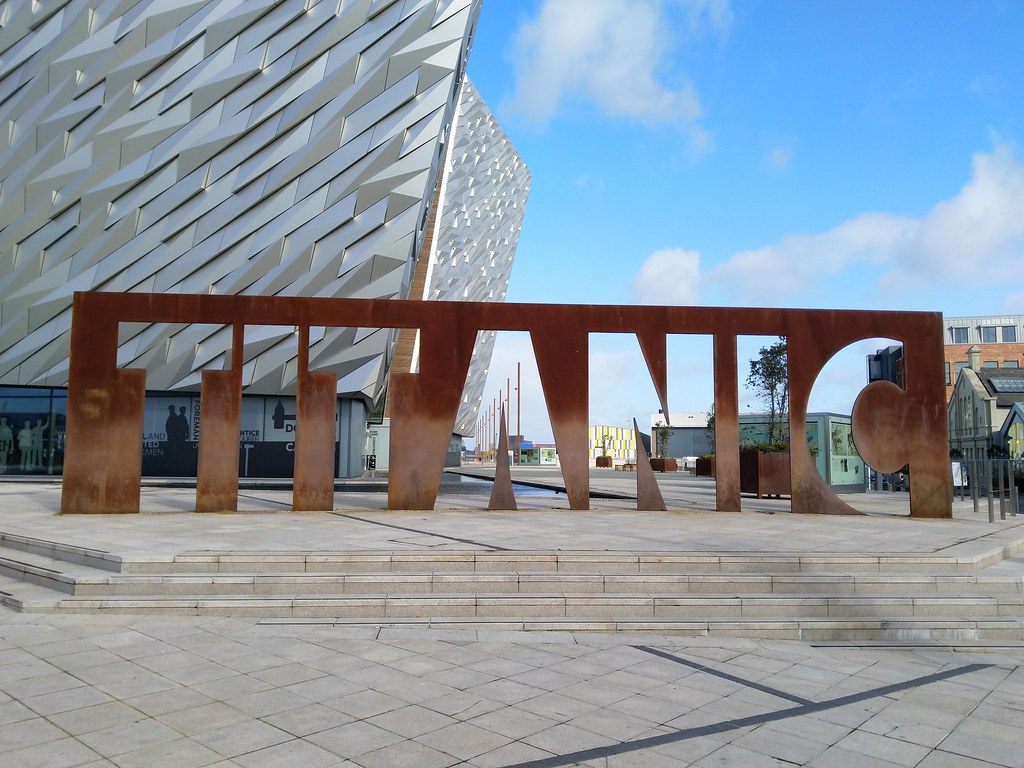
[992,479]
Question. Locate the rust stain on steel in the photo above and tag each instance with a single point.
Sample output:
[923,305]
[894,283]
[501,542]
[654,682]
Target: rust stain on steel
[563,365]
[425,404]
[727,424]
[316,405]
[653,345]
[891,426]
[502,495]
[648,494]
[220,412]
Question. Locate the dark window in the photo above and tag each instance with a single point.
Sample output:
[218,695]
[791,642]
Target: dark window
[988,334]
[947,373]
[1009,333]
[959,335]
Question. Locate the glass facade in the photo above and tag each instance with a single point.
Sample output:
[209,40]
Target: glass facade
[32,428]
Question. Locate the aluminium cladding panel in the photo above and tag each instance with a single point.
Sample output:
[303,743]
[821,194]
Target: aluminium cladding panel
[267,147]
[482,215]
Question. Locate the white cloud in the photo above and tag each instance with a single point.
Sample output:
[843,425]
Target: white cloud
[669,276]
[611,54]
[970,239]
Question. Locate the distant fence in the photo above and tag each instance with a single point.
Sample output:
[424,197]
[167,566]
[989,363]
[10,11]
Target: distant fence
[994,480]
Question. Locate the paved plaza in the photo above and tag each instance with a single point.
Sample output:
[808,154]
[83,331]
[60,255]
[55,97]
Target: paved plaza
[94,689]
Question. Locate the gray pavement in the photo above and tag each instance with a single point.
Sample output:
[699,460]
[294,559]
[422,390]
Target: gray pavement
[101,690]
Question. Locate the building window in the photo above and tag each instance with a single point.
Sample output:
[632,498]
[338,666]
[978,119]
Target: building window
[959,367]
[947,374]
[959,335]
[1011,364]
[1009,333]
[988,334]
[991,364]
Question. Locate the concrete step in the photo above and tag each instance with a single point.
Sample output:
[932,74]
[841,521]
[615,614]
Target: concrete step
[620,606]
[257,584]
[60,552]
[959,633]
[489,561]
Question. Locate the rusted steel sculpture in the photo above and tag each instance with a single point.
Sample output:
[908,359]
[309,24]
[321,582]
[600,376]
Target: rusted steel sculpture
[648,494]
[102,470]
[502,495]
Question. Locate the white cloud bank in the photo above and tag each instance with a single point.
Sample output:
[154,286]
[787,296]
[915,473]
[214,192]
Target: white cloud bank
[974,238]
[669,276]
[611,54]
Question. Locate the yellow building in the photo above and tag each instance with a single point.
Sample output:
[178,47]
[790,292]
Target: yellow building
[616,442]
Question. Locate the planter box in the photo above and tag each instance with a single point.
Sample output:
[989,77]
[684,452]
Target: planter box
[705,467]
[765,474]
[664,465]
[604,461]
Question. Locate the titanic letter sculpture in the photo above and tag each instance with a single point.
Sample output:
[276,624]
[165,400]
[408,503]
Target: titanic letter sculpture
[892,426]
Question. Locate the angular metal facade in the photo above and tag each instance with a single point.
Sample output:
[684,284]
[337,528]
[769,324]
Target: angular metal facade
[485,198]
[259,147]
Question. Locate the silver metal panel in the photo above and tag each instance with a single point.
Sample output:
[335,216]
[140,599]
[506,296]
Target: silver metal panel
[272,148]
[484,204]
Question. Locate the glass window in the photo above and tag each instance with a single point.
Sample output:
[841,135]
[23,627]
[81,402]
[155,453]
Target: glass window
[1009,333]
[32,424]
[988,334]
[947,372]
[959,367]
[991,364]
[1010,364]
[959,335]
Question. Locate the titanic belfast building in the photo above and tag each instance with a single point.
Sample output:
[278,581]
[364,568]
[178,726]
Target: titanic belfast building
[315,148]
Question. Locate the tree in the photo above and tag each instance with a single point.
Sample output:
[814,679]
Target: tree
[709,429]
[769,378]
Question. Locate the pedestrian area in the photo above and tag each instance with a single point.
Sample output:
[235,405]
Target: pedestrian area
[145,687]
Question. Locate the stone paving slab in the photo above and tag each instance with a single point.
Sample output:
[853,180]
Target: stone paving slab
[92,690]
[157,692]
[361,524]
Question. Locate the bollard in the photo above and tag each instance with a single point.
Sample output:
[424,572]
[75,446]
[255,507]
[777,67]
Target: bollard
[974,484]
[1002,499]
[988,492]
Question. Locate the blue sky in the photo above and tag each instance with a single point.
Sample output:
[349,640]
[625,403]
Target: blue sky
[862,155]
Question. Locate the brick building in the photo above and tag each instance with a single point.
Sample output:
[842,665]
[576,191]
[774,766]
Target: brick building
[999,338]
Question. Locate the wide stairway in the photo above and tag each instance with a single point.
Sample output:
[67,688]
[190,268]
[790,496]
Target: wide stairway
[820,597]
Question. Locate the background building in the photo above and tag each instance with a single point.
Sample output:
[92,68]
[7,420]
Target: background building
[999,338]
[982,409]
[265,148]
[618,443]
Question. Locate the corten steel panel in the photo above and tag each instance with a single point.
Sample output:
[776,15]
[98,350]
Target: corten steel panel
[220,408]
[103,449]
[765,474]
[562,362]
[648,494]
[424,404]
[502,495]
[316,405]
[654,346]
[893,427]
[911,423]
[727,426]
